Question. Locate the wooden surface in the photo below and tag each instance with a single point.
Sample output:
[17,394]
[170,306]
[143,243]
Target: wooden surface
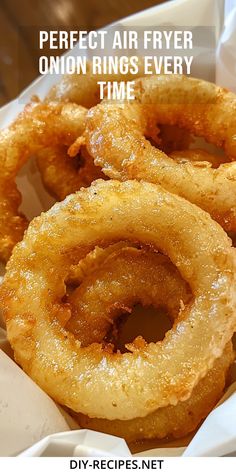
[21,20]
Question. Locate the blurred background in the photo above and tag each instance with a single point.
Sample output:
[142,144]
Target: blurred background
[21,20]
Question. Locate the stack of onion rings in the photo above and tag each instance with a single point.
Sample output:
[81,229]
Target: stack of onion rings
[134,275]
[106,248]
[153,375]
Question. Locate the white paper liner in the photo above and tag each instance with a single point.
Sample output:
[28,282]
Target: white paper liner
[217,435]
[27,414]
[83,443]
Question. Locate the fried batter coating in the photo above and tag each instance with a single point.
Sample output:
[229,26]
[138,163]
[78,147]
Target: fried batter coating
[37,126]
[83,89]
[200,107]
[128,276]
[115,136]
[93,261]
[153,375]
[62,175]
[171,421]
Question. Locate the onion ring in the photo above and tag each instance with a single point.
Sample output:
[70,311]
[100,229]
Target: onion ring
[134,384]
[133,276]
[115,139]
[93,261]
[83,89]
[201,107]
[62,175]
[38,125]
[171,421]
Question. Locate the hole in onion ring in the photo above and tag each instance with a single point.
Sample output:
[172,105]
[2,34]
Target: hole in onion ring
[183,147]
[168,138]
[125,284]
[149,322]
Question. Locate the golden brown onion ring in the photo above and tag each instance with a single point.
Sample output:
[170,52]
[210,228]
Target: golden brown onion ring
[93,261]
[83,89]
[62,175]
[200,107]
[128,276]
[12,222]
[171,421]
[155,375]
[132,275]
[37,126]
[115,139]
